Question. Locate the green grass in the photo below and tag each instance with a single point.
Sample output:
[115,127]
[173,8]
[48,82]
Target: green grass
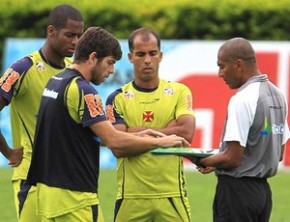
[200,188]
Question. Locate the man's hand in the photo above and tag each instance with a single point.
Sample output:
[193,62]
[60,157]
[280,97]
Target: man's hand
[15,157]
[150,132]
[195,160]
[172,141]
[205,170]
[192,158]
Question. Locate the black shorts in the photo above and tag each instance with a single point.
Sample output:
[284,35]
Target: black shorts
[242,199]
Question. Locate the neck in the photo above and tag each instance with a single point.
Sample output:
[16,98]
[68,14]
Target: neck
[151,84]
[51,58]
[82,70]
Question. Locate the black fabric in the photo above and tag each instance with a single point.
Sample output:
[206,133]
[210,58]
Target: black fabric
[118,204]
[242,199]
[95,212]
[65,154]
[22,194]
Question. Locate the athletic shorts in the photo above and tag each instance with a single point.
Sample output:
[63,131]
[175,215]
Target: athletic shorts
[174,209]
[25,201]
[86,214]
[242,199]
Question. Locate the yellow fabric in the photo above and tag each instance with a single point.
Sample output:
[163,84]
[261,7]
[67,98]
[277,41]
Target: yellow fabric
[28,212]
[25,105]
[54,202]
[75,109]
[146,175]
[160,209]
[80,215]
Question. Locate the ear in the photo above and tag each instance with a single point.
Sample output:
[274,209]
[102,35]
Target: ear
[130,56]
[239,64]
[50,30]
[161,55]
[93,57]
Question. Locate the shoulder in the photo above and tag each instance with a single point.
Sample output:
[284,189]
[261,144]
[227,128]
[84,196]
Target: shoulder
[245,99]
[250,93]
[173,84]
[22,65]
[174,87]
[113,96]
[123,90]
[80,84]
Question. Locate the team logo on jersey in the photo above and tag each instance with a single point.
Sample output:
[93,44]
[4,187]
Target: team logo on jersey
[267,127]
[50,93]
[110,113]
[148,116]
[40,66]
[168,91]
[278,128]
[8,79]
[129,94]
[94,104]
[275,129]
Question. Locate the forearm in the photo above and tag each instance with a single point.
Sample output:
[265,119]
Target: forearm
[177,130]
[4,148]
[218,161]
[130,145]
[125,144]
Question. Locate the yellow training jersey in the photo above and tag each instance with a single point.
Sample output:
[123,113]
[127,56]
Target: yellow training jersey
[22,85]
[146,175]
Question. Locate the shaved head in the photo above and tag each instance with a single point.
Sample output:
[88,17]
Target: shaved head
[238,48]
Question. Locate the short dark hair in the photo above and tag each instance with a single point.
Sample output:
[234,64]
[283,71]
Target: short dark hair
[238,48]
[145,32]
[96,39]
[59,15]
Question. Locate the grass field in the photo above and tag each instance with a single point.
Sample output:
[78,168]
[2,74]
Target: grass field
[200,188]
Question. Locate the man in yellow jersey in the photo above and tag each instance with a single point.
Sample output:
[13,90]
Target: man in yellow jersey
[22,85]
[151,188]
[71,123]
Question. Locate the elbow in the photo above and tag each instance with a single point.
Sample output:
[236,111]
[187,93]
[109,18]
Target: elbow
[116,150]
[112,145]
[187,136]
[117,153]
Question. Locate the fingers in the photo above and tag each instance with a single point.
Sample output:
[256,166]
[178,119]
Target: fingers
[185,143]
[150,132]
[14,164]
[178,142]
[205,170]
[157,134]
[16,157]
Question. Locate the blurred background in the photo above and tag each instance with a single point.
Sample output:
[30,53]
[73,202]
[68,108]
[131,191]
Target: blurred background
[191,33]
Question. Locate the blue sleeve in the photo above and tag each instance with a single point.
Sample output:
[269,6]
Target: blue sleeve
[11,77]
[113,114]
[93,109]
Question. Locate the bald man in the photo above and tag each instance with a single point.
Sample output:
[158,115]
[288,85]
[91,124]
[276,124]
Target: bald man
[253,138]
